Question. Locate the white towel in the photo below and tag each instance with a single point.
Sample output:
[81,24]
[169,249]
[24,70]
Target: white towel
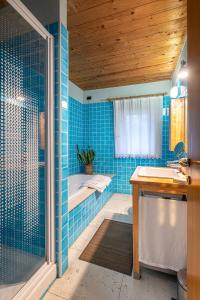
[163,233]
[98,182]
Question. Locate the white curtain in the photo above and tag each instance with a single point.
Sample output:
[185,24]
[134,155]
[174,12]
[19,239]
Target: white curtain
[138,127]
[163,232]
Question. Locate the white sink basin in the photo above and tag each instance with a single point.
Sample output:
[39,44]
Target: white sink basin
[158,172]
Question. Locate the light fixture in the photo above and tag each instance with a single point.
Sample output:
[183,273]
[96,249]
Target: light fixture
[174,92]
[183,73]
[178,92]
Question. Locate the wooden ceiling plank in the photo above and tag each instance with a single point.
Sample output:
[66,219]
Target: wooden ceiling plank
[143,46]
[128,21]
[115,42]
[128,32]
[160,68]
[103,11]
[114,83]
[160,29]
[3,3]
[115,7]
[111,83]
[82,5]
[138,46]
[116,67]
[127,56]
[121,63]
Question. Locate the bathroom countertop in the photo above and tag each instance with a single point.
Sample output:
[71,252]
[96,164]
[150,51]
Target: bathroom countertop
[155,183]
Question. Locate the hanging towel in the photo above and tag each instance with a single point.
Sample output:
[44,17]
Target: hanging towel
[98,182]
[163,232]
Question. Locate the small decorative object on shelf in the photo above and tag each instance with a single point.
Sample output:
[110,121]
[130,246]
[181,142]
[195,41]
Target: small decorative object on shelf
[86,157]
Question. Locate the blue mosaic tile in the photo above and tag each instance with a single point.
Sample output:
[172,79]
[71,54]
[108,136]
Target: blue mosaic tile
[61,142]
[76,134]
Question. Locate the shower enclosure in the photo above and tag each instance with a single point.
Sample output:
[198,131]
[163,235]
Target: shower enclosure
[26,154]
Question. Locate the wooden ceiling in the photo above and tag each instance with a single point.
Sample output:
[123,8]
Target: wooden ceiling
[122,42]
[3,3]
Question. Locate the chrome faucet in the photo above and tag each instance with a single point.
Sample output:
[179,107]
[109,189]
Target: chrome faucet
[183,162]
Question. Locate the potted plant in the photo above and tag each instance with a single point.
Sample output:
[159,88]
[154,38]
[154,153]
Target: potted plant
[86,157]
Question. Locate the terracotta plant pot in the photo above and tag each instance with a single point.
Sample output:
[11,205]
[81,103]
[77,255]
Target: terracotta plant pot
[89,169]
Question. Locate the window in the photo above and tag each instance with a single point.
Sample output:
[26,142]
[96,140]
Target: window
[138,127]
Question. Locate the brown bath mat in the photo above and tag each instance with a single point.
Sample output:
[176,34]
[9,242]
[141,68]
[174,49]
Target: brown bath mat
[111,247]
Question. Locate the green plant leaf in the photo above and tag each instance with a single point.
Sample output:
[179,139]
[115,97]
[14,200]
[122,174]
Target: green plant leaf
[85,156]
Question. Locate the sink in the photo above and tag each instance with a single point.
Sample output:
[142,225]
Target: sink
[158,172]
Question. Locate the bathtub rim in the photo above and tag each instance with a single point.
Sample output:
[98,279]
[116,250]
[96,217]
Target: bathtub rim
[82,194]
[79,197]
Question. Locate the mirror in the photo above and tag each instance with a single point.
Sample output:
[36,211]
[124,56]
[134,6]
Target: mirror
[178,125]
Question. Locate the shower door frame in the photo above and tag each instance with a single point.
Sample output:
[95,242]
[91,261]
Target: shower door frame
[36,286]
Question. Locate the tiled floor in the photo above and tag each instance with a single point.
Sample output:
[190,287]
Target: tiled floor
[85,281]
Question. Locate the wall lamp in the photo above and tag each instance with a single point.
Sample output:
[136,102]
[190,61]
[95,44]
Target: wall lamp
[183,73]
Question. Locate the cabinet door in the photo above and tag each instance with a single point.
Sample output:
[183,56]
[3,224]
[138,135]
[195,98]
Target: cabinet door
[178,122]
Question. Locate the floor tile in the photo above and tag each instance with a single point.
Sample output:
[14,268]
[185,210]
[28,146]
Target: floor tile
[89,282]
[107,214]
[152,286]
[73,255]
[85,281]
[84,238]
[118,203]
[50,296]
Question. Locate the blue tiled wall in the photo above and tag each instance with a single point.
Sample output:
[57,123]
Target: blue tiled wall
[64,147]
[98,125]
[61,143]
[84,213]
[76,134]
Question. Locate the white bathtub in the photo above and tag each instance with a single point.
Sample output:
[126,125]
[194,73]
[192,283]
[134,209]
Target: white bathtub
[76,192]
[75,183]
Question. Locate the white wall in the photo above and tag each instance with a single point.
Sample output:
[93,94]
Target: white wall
[75,92]
[63,12]
[130,90]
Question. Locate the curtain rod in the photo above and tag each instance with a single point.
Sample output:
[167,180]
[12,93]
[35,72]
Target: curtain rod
[133,97]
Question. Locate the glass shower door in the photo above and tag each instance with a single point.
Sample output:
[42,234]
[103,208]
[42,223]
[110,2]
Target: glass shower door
[23,147]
